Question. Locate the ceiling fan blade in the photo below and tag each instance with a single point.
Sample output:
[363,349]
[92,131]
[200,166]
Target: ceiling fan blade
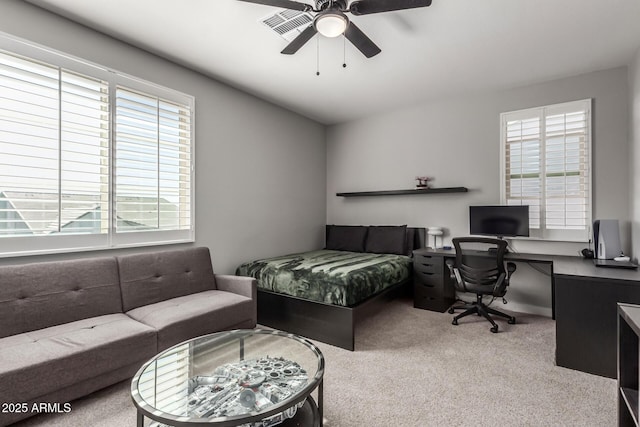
[365,7]
[285,4]
[300,41]
[361,41]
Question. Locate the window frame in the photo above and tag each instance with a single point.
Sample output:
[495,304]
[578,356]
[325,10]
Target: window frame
[13,246]
[544,233]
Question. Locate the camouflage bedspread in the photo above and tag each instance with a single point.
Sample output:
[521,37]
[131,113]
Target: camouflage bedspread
[333,277]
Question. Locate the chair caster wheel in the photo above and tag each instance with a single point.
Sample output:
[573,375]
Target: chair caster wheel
[450,311]
[512,321]
[494,329]
[454,322]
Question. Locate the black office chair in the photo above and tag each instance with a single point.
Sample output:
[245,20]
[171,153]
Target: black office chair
[479,268]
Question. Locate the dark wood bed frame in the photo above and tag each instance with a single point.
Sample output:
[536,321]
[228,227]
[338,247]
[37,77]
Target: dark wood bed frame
[331,324]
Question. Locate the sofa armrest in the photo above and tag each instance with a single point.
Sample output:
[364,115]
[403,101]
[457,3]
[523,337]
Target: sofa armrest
[241,285]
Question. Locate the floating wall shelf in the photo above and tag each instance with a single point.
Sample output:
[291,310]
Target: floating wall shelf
[405,192]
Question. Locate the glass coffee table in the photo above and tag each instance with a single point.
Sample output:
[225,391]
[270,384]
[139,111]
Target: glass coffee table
[249,378]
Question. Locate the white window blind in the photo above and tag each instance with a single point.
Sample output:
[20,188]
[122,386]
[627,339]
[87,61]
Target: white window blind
[54,150]
[153,163]
[546,164]
[89,158]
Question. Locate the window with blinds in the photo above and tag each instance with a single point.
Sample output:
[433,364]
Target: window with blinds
[54,150]
[88,155]
[153,163]
[546,164]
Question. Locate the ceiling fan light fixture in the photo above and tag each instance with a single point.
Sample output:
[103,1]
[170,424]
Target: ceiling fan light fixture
[331,23]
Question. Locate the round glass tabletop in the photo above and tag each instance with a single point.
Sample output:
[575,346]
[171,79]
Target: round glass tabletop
[241,377]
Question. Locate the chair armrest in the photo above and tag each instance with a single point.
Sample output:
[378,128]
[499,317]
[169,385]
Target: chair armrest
[455,276]
[241,285]
[450,263]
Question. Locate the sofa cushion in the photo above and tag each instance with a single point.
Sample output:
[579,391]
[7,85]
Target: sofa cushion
[40,362]
[44,294]
[148,278]
[189,316]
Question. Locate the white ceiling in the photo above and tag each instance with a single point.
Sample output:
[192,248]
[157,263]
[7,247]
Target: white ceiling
[452,48]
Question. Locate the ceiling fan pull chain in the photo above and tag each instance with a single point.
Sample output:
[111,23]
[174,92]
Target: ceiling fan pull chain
[317,55]
[344,51]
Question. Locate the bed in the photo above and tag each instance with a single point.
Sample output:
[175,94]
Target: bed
[323,294]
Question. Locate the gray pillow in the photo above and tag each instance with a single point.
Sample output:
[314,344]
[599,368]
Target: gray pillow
[346,237]
[387,239]
[411,236]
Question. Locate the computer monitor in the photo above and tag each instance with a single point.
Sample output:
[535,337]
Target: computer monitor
[501,221]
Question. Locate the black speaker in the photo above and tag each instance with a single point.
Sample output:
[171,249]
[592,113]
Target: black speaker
[587,253]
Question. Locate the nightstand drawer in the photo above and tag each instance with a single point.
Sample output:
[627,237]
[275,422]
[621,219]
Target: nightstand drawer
[420,288]
[428,277]
[428,264]
[427,288]
[432,303]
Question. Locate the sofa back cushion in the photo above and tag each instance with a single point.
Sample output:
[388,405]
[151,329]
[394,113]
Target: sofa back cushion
[151,277]
[39,295]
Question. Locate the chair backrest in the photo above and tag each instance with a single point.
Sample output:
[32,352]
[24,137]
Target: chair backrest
[480,264]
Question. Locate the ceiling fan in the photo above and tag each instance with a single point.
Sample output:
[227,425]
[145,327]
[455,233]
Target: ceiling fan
[330,19]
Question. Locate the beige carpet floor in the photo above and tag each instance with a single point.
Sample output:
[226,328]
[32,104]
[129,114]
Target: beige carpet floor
[413,368]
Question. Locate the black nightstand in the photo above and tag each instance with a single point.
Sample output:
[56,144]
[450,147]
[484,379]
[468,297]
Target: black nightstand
[432,286]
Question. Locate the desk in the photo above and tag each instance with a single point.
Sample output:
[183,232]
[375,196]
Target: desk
[583,297]
[434,290]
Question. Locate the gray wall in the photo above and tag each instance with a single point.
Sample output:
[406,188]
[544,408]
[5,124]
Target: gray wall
[260,169]
[634,157]
[457,142]
[264,185]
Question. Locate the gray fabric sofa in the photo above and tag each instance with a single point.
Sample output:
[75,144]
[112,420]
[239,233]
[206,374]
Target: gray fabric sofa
[69,328]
